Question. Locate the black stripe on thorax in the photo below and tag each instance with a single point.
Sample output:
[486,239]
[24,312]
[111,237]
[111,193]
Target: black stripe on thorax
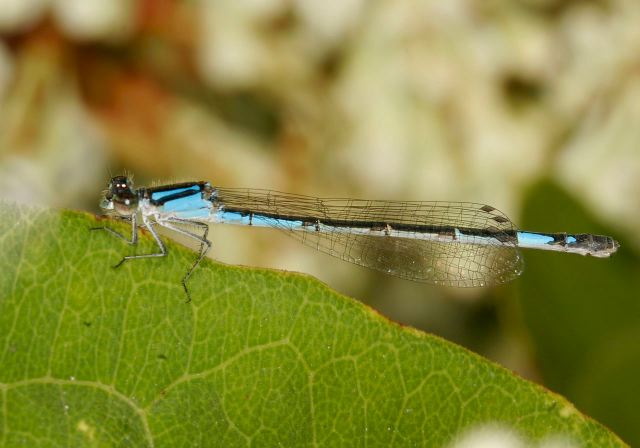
[148,192]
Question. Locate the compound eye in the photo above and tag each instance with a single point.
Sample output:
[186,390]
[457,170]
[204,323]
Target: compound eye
[119,183]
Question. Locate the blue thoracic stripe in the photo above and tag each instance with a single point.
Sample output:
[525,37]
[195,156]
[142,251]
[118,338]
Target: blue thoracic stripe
[185,206]
[159,195]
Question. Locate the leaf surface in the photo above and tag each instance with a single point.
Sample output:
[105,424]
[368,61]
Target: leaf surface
[96,356]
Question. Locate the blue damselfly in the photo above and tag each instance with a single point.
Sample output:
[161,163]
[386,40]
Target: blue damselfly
[460,244]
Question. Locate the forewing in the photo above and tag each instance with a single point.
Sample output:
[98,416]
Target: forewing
[462,262]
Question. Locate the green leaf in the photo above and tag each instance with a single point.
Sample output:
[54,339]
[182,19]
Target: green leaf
[95,356]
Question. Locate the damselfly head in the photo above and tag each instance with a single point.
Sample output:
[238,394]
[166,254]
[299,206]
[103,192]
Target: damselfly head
[120,196]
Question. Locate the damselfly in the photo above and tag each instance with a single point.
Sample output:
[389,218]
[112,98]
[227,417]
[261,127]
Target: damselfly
[459,244]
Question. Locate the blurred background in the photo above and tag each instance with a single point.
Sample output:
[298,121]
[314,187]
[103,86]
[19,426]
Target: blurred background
[532,106]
